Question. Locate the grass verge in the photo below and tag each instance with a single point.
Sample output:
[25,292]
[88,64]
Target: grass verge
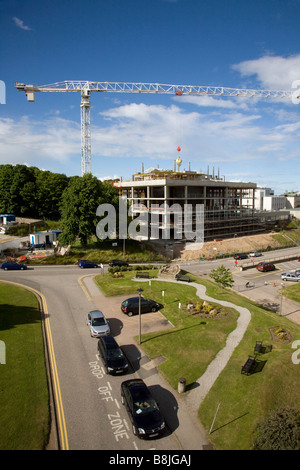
[292,292]
[24,403]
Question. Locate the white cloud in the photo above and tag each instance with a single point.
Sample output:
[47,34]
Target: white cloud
[33,142]
[207,101]
[272,72]
[20,24]
[124,136]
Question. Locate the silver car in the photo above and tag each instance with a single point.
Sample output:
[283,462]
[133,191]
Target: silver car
[97,323]
[290,277]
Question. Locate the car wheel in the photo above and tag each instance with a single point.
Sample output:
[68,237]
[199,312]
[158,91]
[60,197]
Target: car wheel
[153,309]
[130,314]
[22,269]
[5,269]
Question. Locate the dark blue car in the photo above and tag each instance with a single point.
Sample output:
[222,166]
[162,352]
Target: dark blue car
[84,263]
[12,265]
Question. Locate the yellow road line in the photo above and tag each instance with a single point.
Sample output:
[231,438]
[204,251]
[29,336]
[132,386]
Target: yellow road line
[85,290]
[60,410]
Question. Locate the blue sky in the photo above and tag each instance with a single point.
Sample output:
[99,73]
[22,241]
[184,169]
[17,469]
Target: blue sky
[237,44]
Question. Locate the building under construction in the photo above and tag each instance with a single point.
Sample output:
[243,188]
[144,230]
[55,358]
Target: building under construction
[229,207]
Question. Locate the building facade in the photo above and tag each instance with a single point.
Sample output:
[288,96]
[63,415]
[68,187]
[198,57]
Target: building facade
[228,207]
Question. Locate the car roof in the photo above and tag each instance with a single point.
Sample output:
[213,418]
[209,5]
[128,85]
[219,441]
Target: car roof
[135,383]
[109,341]
[96,313]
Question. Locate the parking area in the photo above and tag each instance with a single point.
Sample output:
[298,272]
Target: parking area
[261,277]
[265,288]
[124,328]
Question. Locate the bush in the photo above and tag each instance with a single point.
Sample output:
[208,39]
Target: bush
[279,431]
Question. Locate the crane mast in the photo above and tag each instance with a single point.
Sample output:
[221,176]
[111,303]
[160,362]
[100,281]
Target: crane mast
[85,132]
[86,87]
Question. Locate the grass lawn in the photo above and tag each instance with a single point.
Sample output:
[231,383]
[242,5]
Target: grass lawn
[245,400]
[292,292]
[24,405]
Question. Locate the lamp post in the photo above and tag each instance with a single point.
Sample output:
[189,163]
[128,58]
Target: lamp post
[281,299]
[140,323]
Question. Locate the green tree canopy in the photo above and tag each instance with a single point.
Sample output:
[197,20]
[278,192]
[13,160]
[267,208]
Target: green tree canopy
[79,204]
[222,276]
[30,192]
[279,431]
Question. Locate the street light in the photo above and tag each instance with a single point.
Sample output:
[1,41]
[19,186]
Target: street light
[140,324]
[281,299]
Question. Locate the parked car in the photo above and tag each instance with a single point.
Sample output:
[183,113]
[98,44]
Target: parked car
[131,306]
[12,265]
[265,266]
[254,254]
[112,355]
[240,256]
[143,411]
[118,262]
[85,263]
[97,323]
[290,277]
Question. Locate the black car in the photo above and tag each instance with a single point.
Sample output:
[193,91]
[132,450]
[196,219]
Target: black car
[131,306]
[112,355]
[118,262]
[240,256]
[143,411]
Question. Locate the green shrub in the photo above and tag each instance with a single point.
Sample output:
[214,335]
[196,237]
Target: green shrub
[279,431]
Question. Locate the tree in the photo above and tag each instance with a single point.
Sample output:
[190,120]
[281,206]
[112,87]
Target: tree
[50,187]
[222,276]
[23,192]
[6,177]
[279,431]
[79,204]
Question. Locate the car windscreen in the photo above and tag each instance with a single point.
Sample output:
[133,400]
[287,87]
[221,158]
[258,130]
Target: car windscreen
[114,353]
[144,406]
[98,321]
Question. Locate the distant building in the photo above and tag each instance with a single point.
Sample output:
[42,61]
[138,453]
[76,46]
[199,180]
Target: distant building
[265,200]
[43,239]
[293,200]
[6,219]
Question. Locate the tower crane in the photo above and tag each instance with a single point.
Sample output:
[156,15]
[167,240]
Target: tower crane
[87,87]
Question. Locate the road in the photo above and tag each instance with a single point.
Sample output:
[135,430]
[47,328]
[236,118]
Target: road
[91,403]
